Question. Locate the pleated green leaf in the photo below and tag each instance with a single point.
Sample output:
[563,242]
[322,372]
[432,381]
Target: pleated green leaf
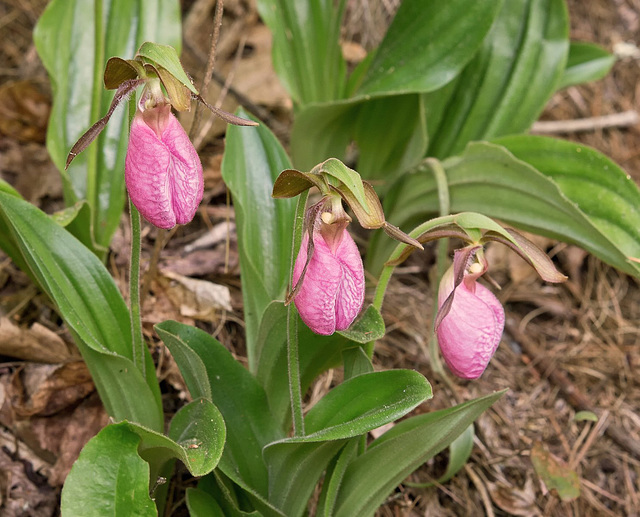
[560,200]
[74,45]
[507,84]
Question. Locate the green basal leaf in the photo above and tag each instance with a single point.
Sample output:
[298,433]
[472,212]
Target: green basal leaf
[333,477]
[507,84]
[252,161]
[317,354]
[356,362]
[240,399]
[306,49]
[427,45]
[91,304]
[554,474]
[74,46]
[587,62]
[166,57]
[201,504]
[120,486]
[294,472]
[370,478]
[368,327]
[600,189]
[488,179]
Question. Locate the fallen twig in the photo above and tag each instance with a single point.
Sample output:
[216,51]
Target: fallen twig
[624,119]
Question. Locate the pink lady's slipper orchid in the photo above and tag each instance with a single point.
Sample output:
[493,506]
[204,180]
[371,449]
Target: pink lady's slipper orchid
[470,319]
[328,274]
[163,172]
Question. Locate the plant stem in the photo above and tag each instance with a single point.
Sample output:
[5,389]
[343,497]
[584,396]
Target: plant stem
[134,275]
[293,356]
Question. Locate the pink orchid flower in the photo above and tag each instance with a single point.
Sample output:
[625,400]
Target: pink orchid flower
[331,292]
[163,172]
[470,319]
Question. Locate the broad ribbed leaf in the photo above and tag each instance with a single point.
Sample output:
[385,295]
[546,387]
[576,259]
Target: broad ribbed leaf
[597,186]
[306,49]
[91,305]
[490,180]
[240,399]
[427,45]
[508,82]
[109,477]
[74,46]
[253,159]
[391,458]
[587,62]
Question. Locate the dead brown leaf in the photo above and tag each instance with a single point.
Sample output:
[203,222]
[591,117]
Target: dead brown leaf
[37,344]
[24,111]
[197,299]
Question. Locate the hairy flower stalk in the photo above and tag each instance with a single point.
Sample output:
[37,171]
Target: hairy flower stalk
[328,272]
[163,172]
[470,322]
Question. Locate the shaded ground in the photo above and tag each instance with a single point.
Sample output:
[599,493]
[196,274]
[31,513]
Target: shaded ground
[566,348]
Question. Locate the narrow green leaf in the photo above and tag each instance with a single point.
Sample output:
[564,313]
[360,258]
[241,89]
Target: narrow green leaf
[334,476]
[505,87]
[391,458]
[356,362]
[587,62]
[240,399]
[120,486]
[582,416]
[191,366]
[368,327]
[201,504]
[427,45]
[252,161]
[294,471]
[74,46]
[363,403]
[91,305]
[306,47]
[489,179]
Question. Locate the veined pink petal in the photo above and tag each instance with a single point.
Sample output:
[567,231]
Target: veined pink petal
[332,291]
[470,333]
[163,172]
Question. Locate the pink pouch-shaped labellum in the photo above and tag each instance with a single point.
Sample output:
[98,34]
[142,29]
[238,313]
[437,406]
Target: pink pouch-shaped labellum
[163,172]
[332,290]
[470,333]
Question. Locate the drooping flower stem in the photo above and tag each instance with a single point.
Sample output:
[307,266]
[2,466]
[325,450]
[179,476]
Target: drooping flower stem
[134,274]
[293,356]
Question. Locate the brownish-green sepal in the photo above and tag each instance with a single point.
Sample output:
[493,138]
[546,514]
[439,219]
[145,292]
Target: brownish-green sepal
[349,181]
[370,219]
[229,118]
[119,70]
[92,133]
[450,231]
[291,182]
[179,95]
[165,56]
[537,258]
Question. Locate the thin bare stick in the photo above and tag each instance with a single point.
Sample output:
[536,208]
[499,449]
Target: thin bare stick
[217,23]
[624,119]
